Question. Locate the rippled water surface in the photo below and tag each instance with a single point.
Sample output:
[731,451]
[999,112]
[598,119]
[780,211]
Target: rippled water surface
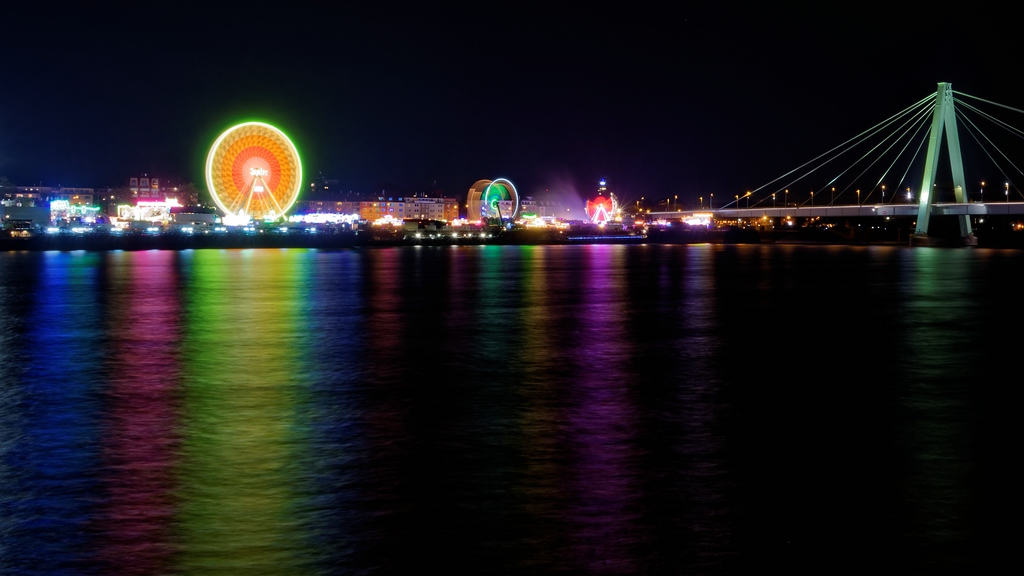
[550,409]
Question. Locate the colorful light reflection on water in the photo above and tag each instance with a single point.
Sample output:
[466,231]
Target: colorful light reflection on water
[550,409]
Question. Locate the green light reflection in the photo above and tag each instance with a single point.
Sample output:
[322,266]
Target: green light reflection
[239,478]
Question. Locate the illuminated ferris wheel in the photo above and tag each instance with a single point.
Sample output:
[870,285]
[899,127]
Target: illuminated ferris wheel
[493,199]
[253,171]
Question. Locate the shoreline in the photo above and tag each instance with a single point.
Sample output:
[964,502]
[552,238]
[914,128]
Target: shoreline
[356,239]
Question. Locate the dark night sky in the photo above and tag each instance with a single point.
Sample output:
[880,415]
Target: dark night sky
[659,101]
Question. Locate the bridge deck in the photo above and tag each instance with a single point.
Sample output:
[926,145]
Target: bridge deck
[846,211]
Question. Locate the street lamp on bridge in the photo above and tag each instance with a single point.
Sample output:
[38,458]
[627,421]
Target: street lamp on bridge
[773,199]
[832,201]
[982,191]
[812,198]
[785,197]
[711,201]
[883,193]
[1007,191]
[858,197]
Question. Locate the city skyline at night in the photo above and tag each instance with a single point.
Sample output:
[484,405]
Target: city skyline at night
[507,288]
[697,102]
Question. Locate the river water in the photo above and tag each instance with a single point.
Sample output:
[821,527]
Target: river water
[648,409]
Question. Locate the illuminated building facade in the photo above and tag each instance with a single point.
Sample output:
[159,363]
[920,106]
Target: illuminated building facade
[541,209]
[68,211]
[156,211]
[77,196]
[60,203]
[328,206]
[446,209]
[375,210]
[145,188]
[27,196]
[402,208]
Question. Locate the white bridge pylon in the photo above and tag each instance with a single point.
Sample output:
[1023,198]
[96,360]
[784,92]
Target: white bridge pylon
[943,119]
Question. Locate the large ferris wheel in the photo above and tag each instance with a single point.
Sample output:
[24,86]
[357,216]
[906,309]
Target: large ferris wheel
[253,171]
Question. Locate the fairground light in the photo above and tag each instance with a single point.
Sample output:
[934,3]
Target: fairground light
[253,172]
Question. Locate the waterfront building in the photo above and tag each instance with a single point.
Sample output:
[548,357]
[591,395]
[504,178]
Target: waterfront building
[377,209]
[322,206]
[45,204]
[45,194]
[541,209]
[23,215]
[25,196]
[153,189]
[145,188]
[446,209]
[31,195]
[73,196]
[325,197]
[192,216]
[322,187]
[418,208]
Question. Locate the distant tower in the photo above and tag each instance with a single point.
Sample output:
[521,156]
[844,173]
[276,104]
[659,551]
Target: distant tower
[603,190]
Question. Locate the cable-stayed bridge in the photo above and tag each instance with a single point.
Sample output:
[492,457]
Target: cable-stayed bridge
[910,165]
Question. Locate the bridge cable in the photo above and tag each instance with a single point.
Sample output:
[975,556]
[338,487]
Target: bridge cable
[919,117]
[971,128]
[998,122]
[924,138]
[922,123]
[869,132]
[990,102]
[991,118]
[924,117]
[856,140]
[923,107]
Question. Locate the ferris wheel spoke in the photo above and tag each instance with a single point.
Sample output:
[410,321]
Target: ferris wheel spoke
[273,201]
[237,201]
[248,200]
